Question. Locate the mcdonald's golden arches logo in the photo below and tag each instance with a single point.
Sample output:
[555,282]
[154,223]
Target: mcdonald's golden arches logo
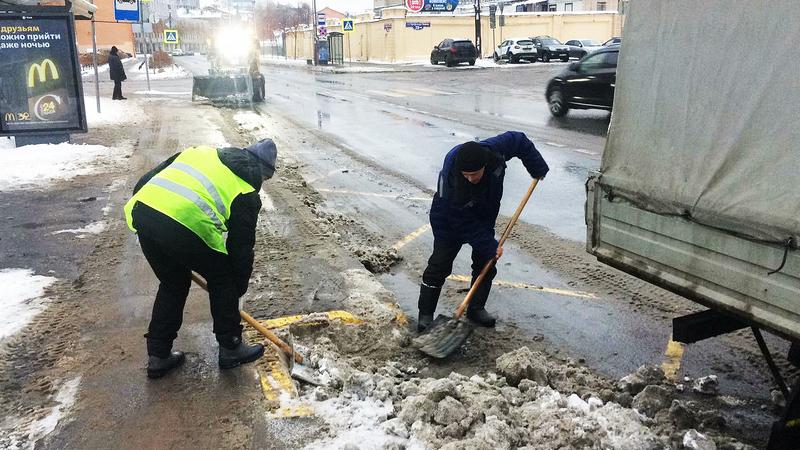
[41,71]
[9,117]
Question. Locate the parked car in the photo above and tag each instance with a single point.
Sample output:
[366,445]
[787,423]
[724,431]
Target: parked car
[548,47]
[178,52]
[585,84]
[578,48]
[614,40]
[454,51]
[515,50]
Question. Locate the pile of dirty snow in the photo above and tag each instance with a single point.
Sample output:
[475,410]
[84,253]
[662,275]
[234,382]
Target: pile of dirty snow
[33,166]
[21,299]
[518,406]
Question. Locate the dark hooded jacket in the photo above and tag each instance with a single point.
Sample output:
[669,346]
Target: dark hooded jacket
[466,213]
[241,224]
[115,69]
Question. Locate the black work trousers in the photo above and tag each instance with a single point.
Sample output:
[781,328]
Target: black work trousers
[172,267]
[117,95]
[440,266]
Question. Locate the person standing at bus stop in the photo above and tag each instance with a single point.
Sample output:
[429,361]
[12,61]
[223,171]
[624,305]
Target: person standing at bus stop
[117,73]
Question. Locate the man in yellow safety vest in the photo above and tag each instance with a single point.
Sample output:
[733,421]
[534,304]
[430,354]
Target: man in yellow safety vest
[197,211]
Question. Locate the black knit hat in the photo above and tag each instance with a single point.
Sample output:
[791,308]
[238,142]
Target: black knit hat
[471,157]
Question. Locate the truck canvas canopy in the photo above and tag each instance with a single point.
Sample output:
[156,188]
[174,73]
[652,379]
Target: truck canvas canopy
[706,111]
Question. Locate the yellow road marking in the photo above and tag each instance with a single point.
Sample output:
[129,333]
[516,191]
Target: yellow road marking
[672,359]
[313,319]
[303,410]
[512,284]
[373,194]
[411,236]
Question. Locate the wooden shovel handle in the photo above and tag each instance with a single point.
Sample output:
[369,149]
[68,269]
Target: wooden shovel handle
[257,325]
[489,264]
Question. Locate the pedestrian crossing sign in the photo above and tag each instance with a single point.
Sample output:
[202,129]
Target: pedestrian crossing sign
[171,36]
[348,26]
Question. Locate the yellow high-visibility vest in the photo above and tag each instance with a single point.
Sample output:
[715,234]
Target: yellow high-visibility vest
[196,190]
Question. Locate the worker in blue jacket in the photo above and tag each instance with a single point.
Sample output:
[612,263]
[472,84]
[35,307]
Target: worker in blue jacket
[464,211]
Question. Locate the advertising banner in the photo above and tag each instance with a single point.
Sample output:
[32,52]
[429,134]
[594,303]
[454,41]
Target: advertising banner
[40,84]
[440,5]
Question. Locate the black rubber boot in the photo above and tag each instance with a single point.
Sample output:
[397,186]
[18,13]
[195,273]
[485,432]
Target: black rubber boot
[476,311]
[428,298]
[158,367]
[233,352]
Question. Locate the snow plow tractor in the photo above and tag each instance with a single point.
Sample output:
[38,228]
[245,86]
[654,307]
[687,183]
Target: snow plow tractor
[234,77]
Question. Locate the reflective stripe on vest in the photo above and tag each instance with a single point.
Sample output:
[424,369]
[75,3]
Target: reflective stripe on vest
[196,190]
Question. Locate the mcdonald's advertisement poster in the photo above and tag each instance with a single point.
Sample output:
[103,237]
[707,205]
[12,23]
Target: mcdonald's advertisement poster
[39,80]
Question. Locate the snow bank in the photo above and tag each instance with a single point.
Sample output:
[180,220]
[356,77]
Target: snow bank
[33,166]
[21,299]
[137,72]
[113,112]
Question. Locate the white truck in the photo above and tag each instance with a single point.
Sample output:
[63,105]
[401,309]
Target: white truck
[699,186]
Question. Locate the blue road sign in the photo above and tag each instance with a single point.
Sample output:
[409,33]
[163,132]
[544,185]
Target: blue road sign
[348,26]
[126,10]
[418,25]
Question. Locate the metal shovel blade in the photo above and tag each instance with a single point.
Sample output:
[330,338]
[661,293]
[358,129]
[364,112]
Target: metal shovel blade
[443,337]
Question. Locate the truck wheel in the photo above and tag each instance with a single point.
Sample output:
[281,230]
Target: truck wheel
[471,62]
[496,58]
[434,62]
[545,57]
[565,59]
[448,61]
[557,104]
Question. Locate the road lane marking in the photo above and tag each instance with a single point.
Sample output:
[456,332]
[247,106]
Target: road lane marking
[411,236]
[313,319]
[586,152]
[553,144]
[512,284]
[672,359]
[373,194]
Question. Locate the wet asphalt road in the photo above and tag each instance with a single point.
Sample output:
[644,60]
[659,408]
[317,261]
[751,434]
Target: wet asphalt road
[409,120]
[404,122]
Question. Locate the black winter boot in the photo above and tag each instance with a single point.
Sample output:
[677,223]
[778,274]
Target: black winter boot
[476,311]
[428,298]
[233,352]
[158,367]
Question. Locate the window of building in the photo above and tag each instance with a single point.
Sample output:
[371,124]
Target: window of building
[551,7]
[601,6]
[567,6]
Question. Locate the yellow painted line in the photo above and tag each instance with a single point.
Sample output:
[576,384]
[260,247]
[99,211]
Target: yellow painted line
[411,236]
[373,194]
[400,317]
[304,410]
[672,359]
[511,284]
[313,319]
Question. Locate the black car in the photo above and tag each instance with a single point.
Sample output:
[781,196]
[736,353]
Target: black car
[613,41]
[454,51]
[585,84]
[548,47]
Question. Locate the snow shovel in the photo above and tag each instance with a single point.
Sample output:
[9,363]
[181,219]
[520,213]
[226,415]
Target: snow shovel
[296,367]
[447,334]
